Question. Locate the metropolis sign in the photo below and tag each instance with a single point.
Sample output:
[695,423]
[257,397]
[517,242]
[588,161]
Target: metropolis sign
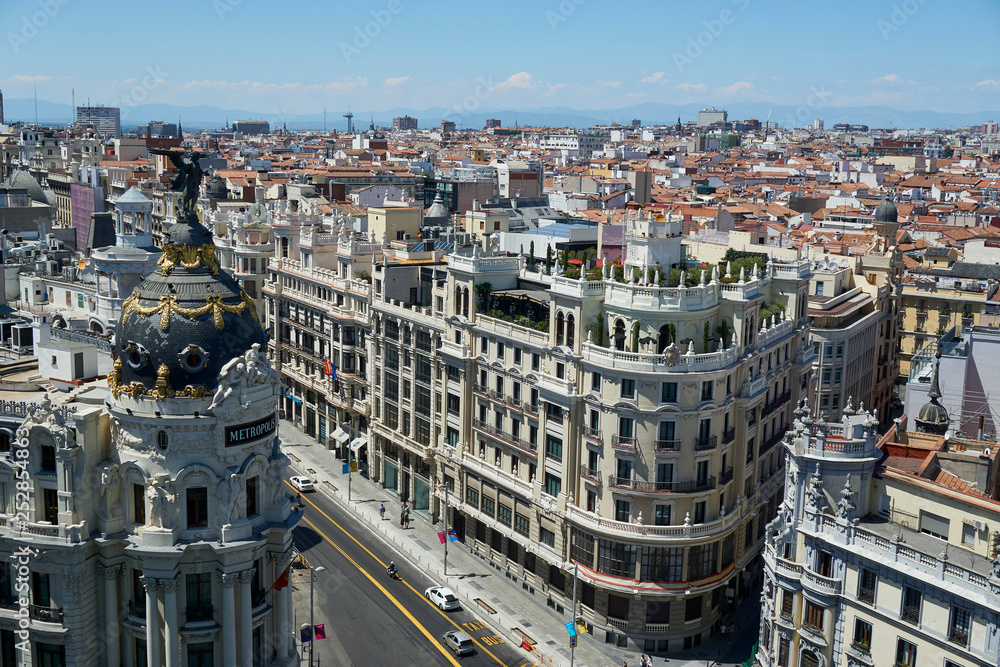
[244,433]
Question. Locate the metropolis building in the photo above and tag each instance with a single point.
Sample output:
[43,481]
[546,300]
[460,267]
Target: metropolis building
[154,527]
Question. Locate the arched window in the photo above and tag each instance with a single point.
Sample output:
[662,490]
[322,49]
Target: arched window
[560,328]
[465,302]
[663,339]
[619,335]
[570,330]
[458,300]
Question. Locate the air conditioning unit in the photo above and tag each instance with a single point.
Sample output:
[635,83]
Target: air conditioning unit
[980,526]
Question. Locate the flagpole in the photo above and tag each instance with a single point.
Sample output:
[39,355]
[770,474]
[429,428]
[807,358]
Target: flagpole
[312,627]
[447,534]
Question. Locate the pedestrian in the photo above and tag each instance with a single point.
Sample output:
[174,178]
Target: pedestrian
[381,511]
[723,630]
[402,518]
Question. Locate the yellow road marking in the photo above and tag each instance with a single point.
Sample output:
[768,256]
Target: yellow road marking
[379,561]
[396,602]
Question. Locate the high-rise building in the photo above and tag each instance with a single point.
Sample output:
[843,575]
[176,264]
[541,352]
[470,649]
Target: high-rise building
[711,116]
[884,551]
[158,128]
[447,127]
[157,524]
[106,120]
[636,122]
[404,123]
[492,123]
[251,127]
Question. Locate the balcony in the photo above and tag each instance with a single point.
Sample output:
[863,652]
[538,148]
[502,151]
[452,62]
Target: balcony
[593,434]
[620,623]
[195,613]
[530,409]
[480,389]
[591,474]
[959,636]
[667,445]
[867,596]
[776,403]
[726,476]
[728,436]
[693,486]
[701,444]
[512,402]
[137,608]
[45,614]
[500,434]
[911,614]
[624,442]
[770,442]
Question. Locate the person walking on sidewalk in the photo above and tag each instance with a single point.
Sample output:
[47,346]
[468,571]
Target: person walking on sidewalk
[402,517]
[381,512]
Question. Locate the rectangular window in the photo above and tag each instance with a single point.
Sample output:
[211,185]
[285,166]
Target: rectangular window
[522,526]
[501,351]
[703,560]
[616,559]
[517,356]
[787,602]
[906,653]
[661,515]
[628,388]
[553,448]
[535,362]
[961,623]
[547,537]
[581,548]
[472,497]
[911,605]
[489,506]
[813,615]
[700,511]
[553,484]
[504,515]
[784,647]
[40,589]
[692,608]
[197,507]
[252,503]
[668,392]
[862,634]
[969,534]
[595,381]
[662,564]
[706,390]
[866,586]
[454,404]
[623,510]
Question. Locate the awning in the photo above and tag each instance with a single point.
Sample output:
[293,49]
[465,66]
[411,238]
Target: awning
[341,436]
[358,444]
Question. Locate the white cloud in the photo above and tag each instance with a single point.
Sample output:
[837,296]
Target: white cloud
[692,87]
[988,84]
[519,80]
[24,78]
[656,77]
[888,78]
[397,80]
[609,84]
[735,88]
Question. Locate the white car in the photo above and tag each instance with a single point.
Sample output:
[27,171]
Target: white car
[443,598]
[301,482]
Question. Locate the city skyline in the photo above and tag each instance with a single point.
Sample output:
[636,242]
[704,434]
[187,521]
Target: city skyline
[395,55]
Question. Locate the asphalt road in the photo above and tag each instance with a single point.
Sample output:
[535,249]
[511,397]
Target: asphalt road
[371,619]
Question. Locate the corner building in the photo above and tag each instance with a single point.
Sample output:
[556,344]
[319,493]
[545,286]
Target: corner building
[623,426]
[158,522]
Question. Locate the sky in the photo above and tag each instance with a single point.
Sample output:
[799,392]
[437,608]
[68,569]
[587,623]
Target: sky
[297,57]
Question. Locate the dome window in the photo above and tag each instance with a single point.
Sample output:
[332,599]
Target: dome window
[193,358]
[135,355]
[161,439]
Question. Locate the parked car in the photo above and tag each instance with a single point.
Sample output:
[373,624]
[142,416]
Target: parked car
[443,598]
[301,482]
[458,641]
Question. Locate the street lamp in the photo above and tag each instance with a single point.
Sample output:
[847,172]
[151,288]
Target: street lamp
[312,627]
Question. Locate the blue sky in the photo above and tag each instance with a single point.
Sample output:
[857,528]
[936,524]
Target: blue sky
[295,57]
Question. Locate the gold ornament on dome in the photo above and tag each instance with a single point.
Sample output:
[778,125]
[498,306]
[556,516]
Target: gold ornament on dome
[160,392]
[188,258]
[169,305]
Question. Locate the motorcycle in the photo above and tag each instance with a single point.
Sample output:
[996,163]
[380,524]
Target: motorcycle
[391,571]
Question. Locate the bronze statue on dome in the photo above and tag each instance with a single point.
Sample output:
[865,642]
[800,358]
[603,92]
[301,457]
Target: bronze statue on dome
[187,180]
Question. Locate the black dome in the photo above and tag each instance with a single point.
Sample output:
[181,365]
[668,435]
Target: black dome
[886,212]
[216,188]
[183,323]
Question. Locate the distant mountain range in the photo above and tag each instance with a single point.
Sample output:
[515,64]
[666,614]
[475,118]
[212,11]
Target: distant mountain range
[201,117]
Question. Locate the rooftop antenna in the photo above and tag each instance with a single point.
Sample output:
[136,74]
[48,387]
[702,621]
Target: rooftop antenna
[324,118]
[73,103]
[36,103]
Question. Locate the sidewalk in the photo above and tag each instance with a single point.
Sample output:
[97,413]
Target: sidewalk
[472,577]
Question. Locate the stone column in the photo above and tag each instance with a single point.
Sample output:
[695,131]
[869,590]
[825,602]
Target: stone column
[172,636]
[112,630]
[228,619]
[246,617]
[152,622]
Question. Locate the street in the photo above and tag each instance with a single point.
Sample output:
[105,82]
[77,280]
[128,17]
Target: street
[371,619]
